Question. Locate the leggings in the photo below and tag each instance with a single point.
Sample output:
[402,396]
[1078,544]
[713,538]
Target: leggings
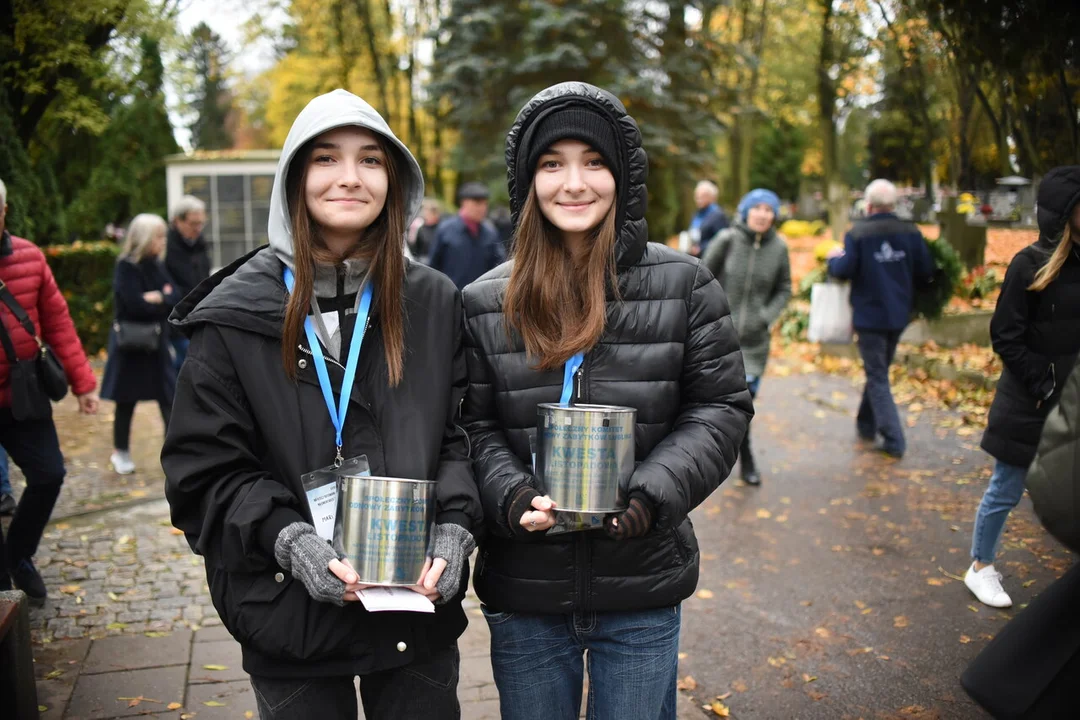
[122,424]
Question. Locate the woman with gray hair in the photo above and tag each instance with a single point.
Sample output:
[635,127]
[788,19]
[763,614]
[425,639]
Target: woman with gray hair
[140,365]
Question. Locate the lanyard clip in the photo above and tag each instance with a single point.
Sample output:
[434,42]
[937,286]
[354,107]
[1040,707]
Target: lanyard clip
[338,461]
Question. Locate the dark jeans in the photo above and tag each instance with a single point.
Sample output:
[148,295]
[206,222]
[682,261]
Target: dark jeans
[425,689]
[34,447]
[122,422]
[877,411]
[539,664]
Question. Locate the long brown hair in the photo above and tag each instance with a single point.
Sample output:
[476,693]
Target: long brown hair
[558,303]
[381,246]
[1048,273]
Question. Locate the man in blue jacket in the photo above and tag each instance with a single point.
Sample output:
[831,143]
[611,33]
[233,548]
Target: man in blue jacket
[883,257]
[466,245]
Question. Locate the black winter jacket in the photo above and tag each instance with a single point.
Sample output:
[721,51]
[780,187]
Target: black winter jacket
[1037,334]
[242,434]
[188,263]
[132,375]
[669,349]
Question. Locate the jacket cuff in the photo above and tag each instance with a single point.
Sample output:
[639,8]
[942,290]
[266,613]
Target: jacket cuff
[280,518]
[457,517]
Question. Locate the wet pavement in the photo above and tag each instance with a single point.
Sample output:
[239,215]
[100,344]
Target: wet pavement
[830,592]
[833,590]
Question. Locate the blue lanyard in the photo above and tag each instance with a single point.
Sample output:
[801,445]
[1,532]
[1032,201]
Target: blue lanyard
[569,370]
[337,416]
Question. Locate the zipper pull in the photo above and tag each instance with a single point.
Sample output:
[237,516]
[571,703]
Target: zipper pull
[757,241]
[577,377]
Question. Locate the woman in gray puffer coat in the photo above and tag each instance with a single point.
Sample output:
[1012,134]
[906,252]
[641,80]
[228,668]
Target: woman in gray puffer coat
[751,262]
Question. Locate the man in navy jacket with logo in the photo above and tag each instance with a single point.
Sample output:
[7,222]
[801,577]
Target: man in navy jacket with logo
[883,257]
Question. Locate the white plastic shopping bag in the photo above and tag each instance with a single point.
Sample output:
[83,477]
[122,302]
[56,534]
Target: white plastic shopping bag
[830,313]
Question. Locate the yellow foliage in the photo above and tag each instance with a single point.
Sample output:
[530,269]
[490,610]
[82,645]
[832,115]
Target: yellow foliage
[802,228]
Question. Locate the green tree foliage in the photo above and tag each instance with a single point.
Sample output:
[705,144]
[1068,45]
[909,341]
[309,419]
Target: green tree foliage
[777,157]
[24,188]
[211,103]
[130,175]
[1022,62]
[492,57]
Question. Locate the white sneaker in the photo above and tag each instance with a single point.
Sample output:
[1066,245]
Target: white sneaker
[122,462]
[986,585]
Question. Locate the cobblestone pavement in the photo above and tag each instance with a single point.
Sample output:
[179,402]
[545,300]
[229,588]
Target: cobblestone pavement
[124,571]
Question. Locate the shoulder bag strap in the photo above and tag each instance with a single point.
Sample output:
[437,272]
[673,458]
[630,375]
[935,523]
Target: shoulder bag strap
[20,314]
[5,340]
[18,311]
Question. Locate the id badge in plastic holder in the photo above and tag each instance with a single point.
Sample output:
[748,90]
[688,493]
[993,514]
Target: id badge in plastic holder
[321,489]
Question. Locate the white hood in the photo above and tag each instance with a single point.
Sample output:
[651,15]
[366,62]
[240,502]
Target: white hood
[326,112]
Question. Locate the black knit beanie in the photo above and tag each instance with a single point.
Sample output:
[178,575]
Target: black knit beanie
[576,122]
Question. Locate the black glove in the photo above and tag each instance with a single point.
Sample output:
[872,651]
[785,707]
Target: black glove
[520,503]
[634,521]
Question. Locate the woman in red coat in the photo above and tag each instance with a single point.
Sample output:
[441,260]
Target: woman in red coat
[33,444]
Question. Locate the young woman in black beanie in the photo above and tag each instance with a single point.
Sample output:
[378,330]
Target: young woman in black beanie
[587,300]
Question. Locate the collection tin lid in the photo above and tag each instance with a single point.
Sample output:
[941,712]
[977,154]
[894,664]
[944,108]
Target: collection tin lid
[586,408]
[390,479]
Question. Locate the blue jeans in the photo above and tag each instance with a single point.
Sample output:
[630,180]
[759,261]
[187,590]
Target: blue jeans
[877,411]
[5,473]
[633,660]
[1005,490]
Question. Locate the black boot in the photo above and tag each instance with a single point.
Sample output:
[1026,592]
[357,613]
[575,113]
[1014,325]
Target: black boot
[750,475]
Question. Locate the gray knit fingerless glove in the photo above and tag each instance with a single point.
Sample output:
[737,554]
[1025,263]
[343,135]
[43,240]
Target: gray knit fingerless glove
[302,552]
[454,544]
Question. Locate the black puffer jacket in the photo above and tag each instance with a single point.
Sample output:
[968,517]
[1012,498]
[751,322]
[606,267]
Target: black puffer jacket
[669,349]
[242,434]
[1037,334]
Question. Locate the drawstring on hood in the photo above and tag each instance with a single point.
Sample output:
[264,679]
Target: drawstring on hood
[339,108]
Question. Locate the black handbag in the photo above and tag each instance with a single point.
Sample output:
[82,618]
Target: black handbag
[137,336]
[34,381]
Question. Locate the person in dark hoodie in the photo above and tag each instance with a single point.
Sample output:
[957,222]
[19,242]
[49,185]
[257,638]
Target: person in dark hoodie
[251,417]
[589,311]
[751,262]
[884,257]
[187,257]
[1036,331]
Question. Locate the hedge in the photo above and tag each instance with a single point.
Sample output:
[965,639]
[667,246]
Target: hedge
[84,273]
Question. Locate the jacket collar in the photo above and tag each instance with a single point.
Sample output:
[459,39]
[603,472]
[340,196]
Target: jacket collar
[749,234]
[176,240]
[248,294]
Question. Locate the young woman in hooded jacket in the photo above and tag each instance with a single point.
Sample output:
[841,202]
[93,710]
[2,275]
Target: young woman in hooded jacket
[1036,331]
[250,419]
[652,331]
[750,260]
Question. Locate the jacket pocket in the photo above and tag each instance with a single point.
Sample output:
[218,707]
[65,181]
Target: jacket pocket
[680,549]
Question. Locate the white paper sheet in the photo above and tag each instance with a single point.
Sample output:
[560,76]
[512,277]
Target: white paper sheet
[380,599]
